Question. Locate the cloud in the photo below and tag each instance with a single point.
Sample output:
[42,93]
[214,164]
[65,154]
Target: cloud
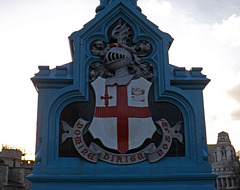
[227,32]
[208,11]
[234,93]
[212,119]
[236,115]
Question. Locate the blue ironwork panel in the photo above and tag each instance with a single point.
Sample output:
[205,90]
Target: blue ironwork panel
[174,155]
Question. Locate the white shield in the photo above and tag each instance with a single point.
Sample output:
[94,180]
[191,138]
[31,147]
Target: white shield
[122,119]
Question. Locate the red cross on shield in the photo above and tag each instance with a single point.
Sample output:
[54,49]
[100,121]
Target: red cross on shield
[122,120]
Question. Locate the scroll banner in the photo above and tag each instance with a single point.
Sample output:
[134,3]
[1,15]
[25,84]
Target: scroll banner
[93,153]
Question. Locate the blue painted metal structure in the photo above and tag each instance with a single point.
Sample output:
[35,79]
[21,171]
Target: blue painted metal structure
[68,83]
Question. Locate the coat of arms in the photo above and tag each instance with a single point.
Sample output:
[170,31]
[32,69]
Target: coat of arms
[122,121]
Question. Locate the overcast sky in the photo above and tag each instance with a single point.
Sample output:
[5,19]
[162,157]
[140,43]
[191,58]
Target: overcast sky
[206,34]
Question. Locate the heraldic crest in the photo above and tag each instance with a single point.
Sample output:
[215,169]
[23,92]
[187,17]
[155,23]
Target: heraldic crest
[122,123]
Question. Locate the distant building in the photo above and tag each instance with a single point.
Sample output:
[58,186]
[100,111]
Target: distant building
[13,170]
[225,163]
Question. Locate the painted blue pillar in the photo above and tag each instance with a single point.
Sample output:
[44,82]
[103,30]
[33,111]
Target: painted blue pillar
[120,62]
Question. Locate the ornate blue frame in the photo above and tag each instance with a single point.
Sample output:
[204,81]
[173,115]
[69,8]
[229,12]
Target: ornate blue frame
[69,83]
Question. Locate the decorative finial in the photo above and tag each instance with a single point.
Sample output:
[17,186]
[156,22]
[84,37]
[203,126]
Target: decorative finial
[105,3]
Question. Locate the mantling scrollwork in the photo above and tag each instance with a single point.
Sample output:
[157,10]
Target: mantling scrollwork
[120,48]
